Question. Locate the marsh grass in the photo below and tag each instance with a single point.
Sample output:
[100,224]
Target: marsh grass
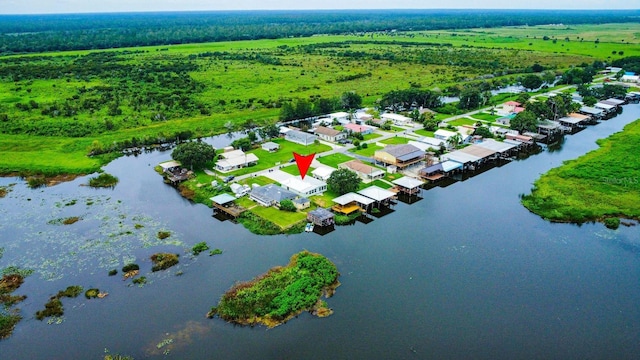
[599,185]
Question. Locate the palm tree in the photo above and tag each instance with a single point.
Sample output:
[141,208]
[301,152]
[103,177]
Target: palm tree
[454,140]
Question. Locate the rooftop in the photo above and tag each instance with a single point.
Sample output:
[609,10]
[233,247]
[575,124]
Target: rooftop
[359,166]
[408,182]
[376,193]
[296,184]
[323,130]
[403,151]
[222,199]
[271,192]
[351,197]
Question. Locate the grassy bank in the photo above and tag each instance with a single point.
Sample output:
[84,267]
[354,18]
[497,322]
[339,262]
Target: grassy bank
[59,107]
[601,184]
[282,293]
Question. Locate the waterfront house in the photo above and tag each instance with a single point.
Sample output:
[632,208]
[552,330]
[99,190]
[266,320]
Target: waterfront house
[301,203]
[379,195]
[351,202]
[304,187]
[321,217]
[330,134]
[366,172]
[439,170]
[270,195]
[235,159]
[400,156]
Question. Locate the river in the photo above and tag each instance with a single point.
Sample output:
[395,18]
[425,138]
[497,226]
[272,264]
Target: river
[466,272]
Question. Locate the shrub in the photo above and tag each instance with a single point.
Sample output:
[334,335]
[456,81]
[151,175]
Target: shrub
[130,267]
[103,180]
[215,252]
[113,272]
[287,205]
[199,247]
[163,261]
[612,223]
[163,235]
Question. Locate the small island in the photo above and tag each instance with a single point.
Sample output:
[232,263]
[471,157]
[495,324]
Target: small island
[281,293]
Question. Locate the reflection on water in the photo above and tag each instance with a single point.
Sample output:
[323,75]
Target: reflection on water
[466,272]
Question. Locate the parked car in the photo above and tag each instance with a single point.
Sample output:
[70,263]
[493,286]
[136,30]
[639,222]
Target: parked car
[292,160]
[228,178]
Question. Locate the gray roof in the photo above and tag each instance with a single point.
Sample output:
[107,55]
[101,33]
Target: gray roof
[327,131]
[300,137]
[591,110]
[270,145]
[223,199]
[405,151]
[272,193]
[301,200]
[321,214]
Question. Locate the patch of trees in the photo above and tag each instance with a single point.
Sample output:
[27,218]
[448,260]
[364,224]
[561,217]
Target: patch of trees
[343,181]
[402,100]
[604,92]
[472,97]
[193,154]
[39,33]
[631,63]
[553,108]
[303,108]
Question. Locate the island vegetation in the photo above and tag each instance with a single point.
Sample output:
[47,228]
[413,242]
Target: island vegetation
[103,180]
[163,261]
[602,185]
[282,293]
[54,306]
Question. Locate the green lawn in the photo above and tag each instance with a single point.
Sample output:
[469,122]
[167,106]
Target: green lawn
[424,132]
[260,180]
[396,140]
[369,151]
[293,170]
[461,122]
[334,159]
[284,219]
[371,136]
[486,116]
[282,156]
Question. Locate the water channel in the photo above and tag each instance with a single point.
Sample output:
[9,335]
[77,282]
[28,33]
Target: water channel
[466,272]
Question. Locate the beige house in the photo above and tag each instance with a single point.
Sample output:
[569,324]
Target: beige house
[400,156]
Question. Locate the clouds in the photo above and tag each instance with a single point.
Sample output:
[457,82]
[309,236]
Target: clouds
[72,6]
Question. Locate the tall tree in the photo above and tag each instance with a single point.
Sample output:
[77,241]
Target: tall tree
[343,181]
[194,154]
[350,100]
[531,82]
[524,121]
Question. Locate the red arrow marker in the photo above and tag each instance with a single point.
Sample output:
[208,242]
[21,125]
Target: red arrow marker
[303,162]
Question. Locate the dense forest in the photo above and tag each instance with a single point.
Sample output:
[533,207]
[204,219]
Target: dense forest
[38,33]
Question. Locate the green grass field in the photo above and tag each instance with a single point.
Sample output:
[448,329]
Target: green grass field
[334,160]
[227,91]
[602,184]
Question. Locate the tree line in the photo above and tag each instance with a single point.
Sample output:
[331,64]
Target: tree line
[39,33]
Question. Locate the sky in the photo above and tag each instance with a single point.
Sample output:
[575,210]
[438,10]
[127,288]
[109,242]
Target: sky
[83,6]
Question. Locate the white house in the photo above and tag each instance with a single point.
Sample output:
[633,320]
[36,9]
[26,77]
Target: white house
[307,187]
[270,146]
[236,159]
[300,137]
[443,135]
[396,118]
[322,173]
[329,134]
[630,78]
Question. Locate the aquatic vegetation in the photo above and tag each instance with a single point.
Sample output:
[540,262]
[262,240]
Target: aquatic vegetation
[4,190]
[54,306]
[163,234]
[600,185]
[199,247]
[167,342]
[163,261]
[138,226]
[103,180]
[8,322]
[113,272]
[70,220]
[215,252]
[346,219]
[612,223]
[130,267]
[282,293]
[35,182]
[131,274]
[91,293]
[140,281]
[9,316]
[109,356]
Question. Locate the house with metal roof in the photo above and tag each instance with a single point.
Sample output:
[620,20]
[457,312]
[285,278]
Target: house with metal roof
[366,172]
[351,202]
[380,195]
[236,159]
[329,134]
[300,137]
[396,118]
[271,195]
[360,129]
[305,187]
[439,170]
[270,146]
[322,172]
[408,185]
[400,156]
[321,217]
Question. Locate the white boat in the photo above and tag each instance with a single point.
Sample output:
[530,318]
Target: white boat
[309,227]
